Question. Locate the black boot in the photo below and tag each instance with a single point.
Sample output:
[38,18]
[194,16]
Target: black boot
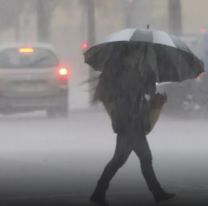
[99,194]
[161,195]
[99,198]
[154,186]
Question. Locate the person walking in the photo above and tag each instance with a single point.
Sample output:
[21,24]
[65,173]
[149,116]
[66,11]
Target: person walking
[127,89]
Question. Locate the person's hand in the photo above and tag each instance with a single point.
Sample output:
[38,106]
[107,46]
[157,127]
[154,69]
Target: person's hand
[158,99]
[163,96]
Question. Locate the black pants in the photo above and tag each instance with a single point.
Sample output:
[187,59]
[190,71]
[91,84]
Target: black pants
[125,145]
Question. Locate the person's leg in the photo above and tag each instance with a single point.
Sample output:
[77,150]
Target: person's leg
[142,150]
[122,152]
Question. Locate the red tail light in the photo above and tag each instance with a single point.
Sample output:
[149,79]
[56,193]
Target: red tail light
[62,73]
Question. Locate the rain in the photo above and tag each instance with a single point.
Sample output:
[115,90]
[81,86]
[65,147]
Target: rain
[57,137]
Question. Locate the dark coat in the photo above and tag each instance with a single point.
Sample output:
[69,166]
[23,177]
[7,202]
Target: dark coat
[122,88]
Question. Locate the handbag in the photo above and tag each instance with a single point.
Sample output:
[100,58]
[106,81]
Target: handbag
[156,104]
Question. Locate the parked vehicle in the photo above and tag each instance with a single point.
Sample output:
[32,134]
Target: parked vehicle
[33,78]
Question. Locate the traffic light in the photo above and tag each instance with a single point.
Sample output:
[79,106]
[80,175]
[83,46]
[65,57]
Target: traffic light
[84,46]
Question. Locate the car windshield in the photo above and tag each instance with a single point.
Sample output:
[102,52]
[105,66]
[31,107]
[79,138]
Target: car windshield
[27,58]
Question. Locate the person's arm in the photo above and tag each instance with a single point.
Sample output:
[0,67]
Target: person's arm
[150,84]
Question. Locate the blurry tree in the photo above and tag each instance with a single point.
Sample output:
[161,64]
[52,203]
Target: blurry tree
[129,6]
[10,11]
[43,20]
[175,17]
[45,10]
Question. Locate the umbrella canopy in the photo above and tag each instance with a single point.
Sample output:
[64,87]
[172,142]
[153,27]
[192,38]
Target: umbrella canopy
[168,56]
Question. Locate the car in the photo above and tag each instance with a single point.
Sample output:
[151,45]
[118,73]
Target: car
[33,78]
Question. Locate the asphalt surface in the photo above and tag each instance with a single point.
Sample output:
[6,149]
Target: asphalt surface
[58,161]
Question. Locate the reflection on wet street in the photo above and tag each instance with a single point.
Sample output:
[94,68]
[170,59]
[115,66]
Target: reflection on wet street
[57,161]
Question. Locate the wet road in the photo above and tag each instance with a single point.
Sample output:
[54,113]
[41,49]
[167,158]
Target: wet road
[57,162]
